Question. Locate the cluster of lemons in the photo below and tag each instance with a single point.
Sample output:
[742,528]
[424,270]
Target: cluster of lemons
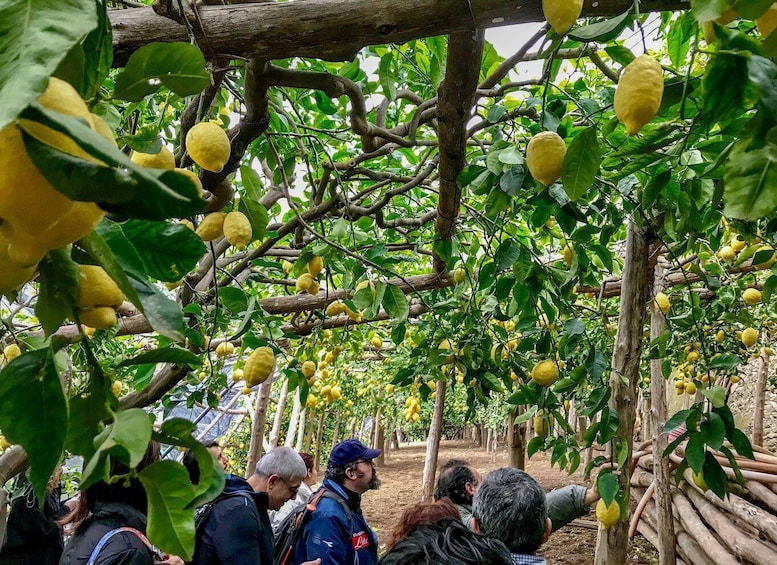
[412,409]
[307,282]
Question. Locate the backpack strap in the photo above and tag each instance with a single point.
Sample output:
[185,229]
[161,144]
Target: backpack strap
[109,534]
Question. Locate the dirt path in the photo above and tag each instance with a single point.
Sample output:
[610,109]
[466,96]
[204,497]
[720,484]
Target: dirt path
[403,472]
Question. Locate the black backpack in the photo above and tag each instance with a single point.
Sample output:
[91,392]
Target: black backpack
[202,514]
[291,529]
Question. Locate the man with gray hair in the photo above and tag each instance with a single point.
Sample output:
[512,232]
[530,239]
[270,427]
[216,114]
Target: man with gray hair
[238,530]
[509,505]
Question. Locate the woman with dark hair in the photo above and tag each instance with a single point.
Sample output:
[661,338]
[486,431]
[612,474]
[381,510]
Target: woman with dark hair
[109,522]
[422,513]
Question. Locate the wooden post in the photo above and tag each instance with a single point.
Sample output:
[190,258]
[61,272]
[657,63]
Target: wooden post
[309,431]
[515,440]
[379,438]
[433,443]
[336,430]
[662,472]
[291,432]
[760,400]
[257,426]
[280,407]
[303,418]
[612,544]
[319,438]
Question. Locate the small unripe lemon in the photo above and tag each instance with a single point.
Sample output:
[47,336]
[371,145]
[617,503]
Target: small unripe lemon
[698,480]
[541,425]
[545,157]
[608,515]
[545,372]
[639,93]
[749,336]
[561,14]
[735,379]
[459,275]
[208,146]
[662,302]
[751,296]
[237,229]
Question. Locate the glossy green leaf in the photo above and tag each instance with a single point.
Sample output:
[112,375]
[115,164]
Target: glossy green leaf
[35,35]
[257,215]
[750,175]
[168,250]
[681,32]
[395,303]
[713,432]
[601,32]
[59,276]
[33,412]
[581,163]
[724,83]
[170,519]
[607,485]
[176,65]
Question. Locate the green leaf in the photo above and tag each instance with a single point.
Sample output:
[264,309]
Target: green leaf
[162,313]
[678,40]
[252,183]
[725,361]
[581,163]
[324,103]
[506,254]
[715,476]
[713,431]
[601,32]
[168,250]
[388,81]
[125,439]
[724,84]
[119,186]
[35,35]
[676,420]
[495,113]
[176,65]
[607,485]
[33,412]
[511,180]
[257,215]
[706,10]
[694,452]
[741,443]
[233,299]
[716,395]
[176,355]
[170,520]
[58,289]
[749,177]
[751,9]
[246,322]
[87,414]
[395,303]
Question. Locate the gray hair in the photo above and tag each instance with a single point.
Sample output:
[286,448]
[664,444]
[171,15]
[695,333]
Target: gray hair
[284,462]
[510,506]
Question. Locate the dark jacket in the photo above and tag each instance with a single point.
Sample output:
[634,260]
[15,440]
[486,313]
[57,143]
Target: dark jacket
[334,538]
[31,535]
[238,531]
[124,548]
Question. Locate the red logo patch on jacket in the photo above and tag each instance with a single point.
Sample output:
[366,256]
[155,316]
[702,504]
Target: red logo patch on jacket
[360,540]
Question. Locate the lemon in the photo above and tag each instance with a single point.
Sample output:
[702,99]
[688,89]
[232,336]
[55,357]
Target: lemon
[237,375]
[315,265]
[212,226]
[98,317]
[193,177]
[751,296]
[769,262]
[693,356]
[259,366]
[541,425]
[11,351]
[225,349]
[639,93]
[545,373]
[11,275]
[568,254]
[608,515]
[767,23]
[561,14]
[116,388]
[303,282]
[749,337]
[738,245]
[447,344]
[312,401]
[734,379]
[335,308]
[162,160]
[698,480]
[96,288]
[208,146]
[237,229]
[102,128]
[545,157]
[376,342]
[662,302]
[308,369]
[727,253]
[459,275]
[720,336]
[287,266]
[4,443]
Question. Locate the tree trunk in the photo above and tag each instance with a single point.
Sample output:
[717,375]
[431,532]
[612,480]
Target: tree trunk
[760,400]
[319,438]
[662,471]
[303,418]
[309,432]
[477,435]
[379,438]
[291,433]
[336,430]
[257,426]
[515,440]
[433,443]
[279,409]
[612,544]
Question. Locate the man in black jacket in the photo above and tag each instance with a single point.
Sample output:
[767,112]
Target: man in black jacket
[238,530]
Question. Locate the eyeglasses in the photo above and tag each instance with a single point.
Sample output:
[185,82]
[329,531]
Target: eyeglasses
[369,461]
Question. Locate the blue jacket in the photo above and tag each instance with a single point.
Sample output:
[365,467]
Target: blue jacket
[238,531]
[330,536]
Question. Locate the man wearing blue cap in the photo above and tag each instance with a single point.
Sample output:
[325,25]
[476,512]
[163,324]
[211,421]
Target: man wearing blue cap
[337,532]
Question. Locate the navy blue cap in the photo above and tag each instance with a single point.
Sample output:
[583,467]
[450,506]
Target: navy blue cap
[348,451]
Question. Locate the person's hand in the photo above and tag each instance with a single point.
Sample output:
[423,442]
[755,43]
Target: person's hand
[171,560]
[314,562]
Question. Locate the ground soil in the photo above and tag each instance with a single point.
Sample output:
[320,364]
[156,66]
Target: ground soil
[403,471]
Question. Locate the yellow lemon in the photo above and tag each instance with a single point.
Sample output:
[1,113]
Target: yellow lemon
[162,160]
[545,373]
[237,229]
[727,253]
[11,275]
[561,14]
[212,226]
[96,288]
[749,337]
[568,254]
[308,369]
[11,352]
[662,302]
[208,146]
[335,308]
[690,388]
[193,177]
[99,317]
[608,515]
[639,93]
[315,265]
[545,157]
[376,342]
[225,349]
[751,296]
[720,336]
[259,366]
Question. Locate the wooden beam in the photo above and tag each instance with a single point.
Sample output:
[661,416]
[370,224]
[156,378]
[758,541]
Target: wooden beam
[333,30]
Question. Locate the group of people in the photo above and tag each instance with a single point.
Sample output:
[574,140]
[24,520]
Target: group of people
[503,517]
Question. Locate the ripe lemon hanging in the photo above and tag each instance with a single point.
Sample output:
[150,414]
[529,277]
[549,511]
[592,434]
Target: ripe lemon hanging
[561,14]
[315,265]
[608,515]
[751,296]
[237,229]
[545,157]
[11,275]
[98,317]
[308,369]
[749,337]
[96,288]
[208,146]
[568,254]
[225,349]
[304,282]
[164,159]
[212,226]
[335,308]
[662,302]
[11,351]
[639,93]
[259,366]
[545,373]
